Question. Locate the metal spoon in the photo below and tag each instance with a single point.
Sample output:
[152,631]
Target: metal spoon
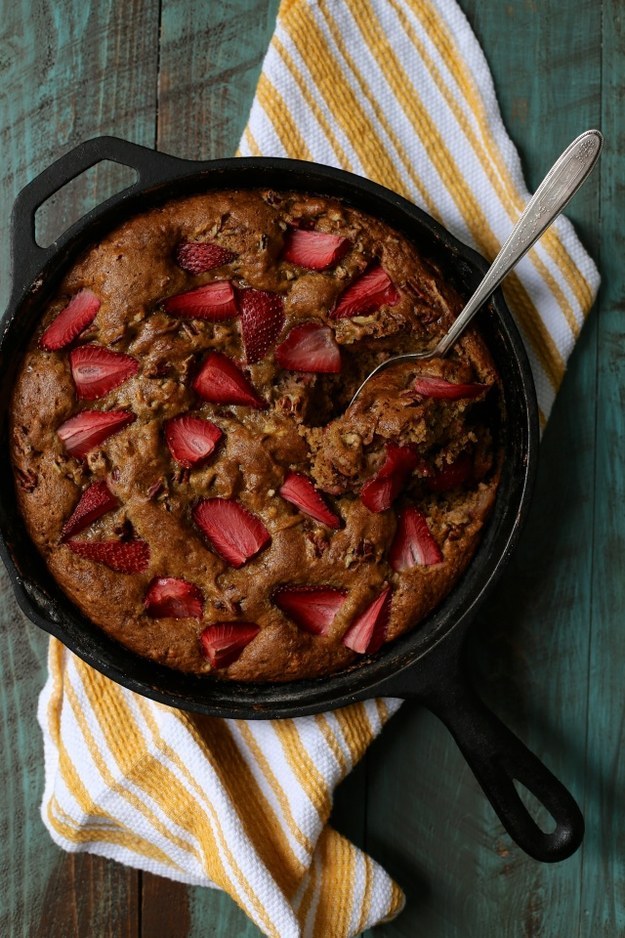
[559,185]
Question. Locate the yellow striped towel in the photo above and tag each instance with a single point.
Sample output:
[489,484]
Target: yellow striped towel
[397,90]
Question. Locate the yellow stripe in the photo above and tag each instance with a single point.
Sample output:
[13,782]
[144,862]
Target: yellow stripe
[356,729]
[304,769]
[304,90]
[449,52]
[382,709]
[280,116]
[311,888]
[500,181]
[368,891]
[279,792]
[108,713]
[251,143]
[432,141]
[336,890]
[332,742]
[215,849]
[84,835]
[347,110]
[257,815]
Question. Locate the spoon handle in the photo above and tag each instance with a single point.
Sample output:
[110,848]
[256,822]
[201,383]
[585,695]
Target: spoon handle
[557,188]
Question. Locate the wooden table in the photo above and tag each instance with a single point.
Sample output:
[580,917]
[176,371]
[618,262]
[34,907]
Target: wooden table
[549,649]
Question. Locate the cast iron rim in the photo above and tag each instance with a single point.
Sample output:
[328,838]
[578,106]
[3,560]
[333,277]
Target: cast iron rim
[48,608]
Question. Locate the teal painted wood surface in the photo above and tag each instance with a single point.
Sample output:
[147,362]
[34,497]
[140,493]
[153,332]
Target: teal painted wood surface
[549,649]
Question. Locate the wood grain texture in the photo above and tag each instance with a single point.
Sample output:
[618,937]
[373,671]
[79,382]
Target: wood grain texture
[69,70]
[548,650]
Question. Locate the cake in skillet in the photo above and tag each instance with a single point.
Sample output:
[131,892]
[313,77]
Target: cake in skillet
[185,458]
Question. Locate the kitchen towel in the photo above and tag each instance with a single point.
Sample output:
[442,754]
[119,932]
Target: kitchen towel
[399,91]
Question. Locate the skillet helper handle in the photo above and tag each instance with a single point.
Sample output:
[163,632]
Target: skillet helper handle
[28,256]
[497,758]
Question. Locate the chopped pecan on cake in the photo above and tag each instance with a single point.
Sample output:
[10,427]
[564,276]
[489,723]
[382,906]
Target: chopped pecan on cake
[185,458]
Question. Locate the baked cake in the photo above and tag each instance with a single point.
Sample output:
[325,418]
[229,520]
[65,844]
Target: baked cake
[184,454]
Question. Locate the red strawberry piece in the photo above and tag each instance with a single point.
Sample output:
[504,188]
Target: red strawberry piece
[310,347]
[313,608]
[97,370]
[215,301]
[89,428]
[452,475]
[371,290]
[220,381]
[223,642]
[430,386]
[121,556]
[191,440]
[367,633]
[197,257]
[235,533]
[379,493]
[413,543]
[262,318]
[315,250]
[95,501]
[301,492]
[71,321]
[170,597]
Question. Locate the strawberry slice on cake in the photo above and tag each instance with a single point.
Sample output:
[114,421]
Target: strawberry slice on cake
[71,321]
[87,429]
[172,597]
[312,608]
[310,347]
[234,532]
[223,642]
[315,250]
[97,370]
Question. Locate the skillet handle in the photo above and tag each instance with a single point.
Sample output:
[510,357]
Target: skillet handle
[27,256]
[497,758]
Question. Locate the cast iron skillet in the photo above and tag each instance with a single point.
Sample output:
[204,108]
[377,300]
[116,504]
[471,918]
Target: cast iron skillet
[427,664]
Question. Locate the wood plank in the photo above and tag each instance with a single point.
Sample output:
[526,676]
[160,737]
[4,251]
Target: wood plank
[602,893]
[68,71]
[427,818]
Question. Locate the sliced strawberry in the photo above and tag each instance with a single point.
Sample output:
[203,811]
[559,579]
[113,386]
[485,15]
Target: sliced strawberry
[89,428]
[315,250]
[300,491]
[97,370]
[380,492]
[215,301]
[310,347]
[262,318]
[371,290]
[170,597]
[413,543]
[220,381]
[223,642]
[430,386]
[197,257]
[367,633]
[95,501]
[313,608]
[121,556]
[235,533]
[452,475]
[71,321]
[191,440]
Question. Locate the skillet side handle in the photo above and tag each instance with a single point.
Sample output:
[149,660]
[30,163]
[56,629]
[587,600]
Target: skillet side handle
[498,757]
[27,256]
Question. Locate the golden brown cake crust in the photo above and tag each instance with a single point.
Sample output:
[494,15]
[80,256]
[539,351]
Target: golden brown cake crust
[303,429]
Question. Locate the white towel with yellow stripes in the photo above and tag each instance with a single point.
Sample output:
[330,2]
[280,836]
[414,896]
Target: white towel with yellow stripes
[399,91]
